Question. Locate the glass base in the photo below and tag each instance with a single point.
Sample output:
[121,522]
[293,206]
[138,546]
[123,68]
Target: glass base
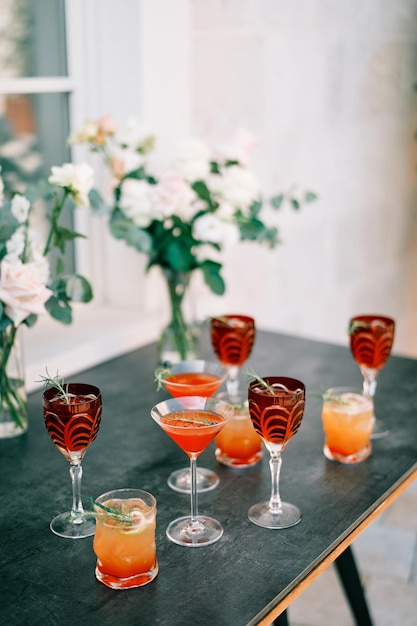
[355,457]
[235,462]
[114,582]
[378,430]
[205,532]
[64,525]
[180,480]
[262,515]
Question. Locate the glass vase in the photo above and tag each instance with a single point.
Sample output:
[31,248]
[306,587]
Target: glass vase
[178,341]
[13,400]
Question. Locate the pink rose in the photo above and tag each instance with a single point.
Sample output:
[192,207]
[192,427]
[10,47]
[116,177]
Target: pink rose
[175,196]
[22,290]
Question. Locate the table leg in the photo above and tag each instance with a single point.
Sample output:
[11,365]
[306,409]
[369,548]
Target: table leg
[282,620]
[352,586]
[349,577]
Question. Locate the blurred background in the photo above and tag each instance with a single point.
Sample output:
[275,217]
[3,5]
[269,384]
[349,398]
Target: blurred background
[327,87]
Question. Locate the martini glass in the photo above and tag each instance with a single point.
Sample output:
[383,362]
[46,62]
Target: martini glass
[192,378]
[371,338]
[72,418]
[232,338]
[276,406]
[193,422]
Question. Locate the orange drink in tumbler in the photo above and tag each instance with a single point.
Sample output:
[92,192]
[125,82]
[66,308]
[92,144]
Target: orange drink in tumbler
[238,444]
[347,419]
[124,540]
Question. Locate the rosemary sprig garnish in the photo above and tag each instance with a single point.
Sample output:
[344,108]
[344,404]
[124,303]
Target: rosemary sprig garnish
[198,419]
[329,397]
[161,373]
[126,517]
[356,325]
[252,374]
[58,383]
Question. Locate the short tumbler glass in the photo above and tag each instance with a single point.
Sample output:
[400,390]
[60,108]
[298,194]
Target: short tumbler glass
[347,419]
[124,541]
[238,444]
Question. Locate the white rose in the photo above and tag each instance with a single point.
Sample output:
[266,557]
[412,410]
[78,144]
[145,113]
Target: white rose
[134,136]
[124,160]
[208,228]
[239,147]
[225,211]
[193,160]
[84,134]
[137,201]
[20,207]
[78,179]
[174,196]
[22,290]
[237,186]
[15,246]
[206,252]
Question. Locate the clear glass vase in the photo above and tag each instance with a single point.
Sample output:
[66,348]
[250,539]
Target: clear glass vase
[179,340]
[13,400]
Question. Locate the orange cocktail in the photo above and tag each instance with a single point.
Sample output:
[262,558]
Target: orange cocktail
[192,383]
[193,422]
[192,430]
[238,444]
[124,540]
[347,423]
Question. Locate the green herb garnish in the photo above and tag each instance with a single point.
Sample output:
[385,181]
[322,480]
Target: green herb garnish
[252,374]
[329,397]
[356,325]
[181,417]
[117,513]
[58,383]
[161,373]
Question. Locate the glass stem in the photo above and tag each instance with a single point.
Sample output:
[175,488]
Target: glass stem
[77,510]
[369,382]
[232,381]
[194,502]
[275,504]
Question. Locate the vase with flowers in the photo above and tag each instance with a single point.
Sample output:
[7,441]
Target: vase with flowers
[27,289]
[183,218]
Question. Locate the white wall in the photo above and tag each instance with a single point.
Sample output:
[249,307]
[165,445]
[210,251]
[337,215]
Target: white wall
[328,88]
[327,85]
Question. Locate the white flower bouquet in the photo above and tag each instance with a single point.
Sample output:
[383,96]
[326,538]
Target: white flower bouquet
[182,220]
[27,289]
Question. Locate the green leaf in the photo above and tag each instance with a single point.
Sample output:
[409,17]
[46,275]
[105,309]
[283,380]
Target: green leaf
[212,277]
[96,201]
[59,310]
[60,266]
[30,320]
[203,192]
[310,196]
[78,289]
[121,227]
[295,203]
[62,236]
[277,201]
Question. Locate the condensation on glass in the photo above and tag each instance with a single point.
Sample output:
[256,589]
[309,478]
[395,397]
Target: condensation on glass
[33,126]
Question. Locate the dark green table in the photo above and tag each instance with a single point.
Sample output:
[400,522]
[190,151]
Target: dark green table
[251,575]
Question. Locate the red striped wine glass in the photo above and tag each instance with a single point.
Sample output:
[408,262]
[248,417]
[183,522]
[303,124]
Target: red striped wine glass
[72,418]
[232,338]
[276,407]
[371,338]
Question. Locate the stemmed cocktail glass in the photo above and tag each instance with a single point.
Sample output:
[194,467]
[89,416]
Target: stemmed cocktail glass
[72,417]
[371,338]
[276,406]
[193,422]
[192,378]
[232,338]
